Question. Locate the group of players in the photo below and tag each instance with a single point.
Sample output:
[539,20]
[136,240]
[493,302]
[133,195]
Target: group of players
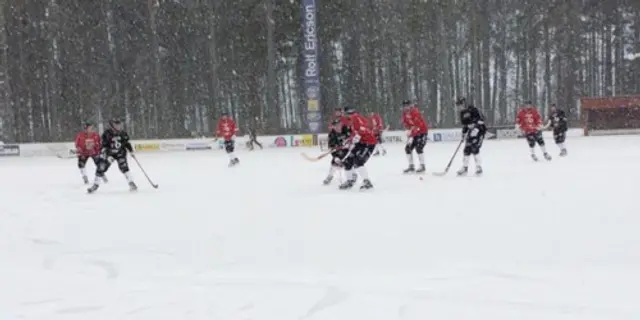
[114,145]
[353,139]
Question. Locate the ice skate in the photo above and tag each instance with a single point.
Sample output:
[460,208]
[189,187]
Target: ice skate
[478,171]
[133,186]
[347,185]
[234,162]
[534,157]
[93,188]
[327,180]
[421,169]
[563,152]
[410,169]
[462,172]
[104,179]
[366,184]
[547,156]
[85,179]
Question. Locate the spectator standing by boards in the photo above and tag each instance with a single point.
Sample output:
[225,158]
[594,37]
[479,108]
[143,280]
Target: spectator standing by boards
[253,136]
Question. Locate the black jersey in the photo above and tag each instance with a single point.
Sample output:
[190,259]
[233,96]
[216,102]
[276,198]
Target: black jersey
[116,143]
[558,121]
[471,117]
[337,138]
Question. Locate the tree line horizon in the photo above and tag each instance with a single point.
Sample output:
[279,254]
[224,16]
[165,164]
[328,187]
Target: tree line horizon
[169,68]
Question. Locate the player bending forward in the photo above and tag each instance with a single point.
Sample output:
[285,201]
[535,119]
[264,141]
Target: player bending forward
[88,146]
[115,147]
[473,131]
[558,121]
[530,123]
[227,130]
[363,142]
[417,129]
[378,127]
[338,135]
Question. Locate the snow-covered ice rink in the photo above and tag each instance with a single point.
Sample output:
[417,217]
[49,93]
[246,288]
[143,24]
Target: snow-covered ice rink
[267,241]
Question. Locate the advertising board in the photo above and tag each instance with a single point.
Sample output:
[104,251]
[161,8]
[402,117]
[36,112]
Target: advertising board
[143,147]
[9,150]
[305,140]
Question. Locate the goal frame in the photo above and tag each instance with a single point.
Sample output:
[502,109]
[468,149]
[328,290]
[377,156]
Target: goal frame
[611,115]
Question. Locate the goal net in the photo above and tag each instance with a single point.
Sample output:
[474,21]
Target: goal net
[611,115]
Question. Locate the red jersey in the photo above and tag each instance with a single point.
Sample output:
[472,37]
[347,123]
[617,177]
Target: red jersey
[413,120]
[376,123]
[360,126]
[226,128]
[529,120]
[88,144]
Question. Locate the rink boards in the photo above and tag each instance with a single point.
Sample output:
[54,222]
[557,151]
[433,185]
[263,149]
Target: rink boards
[67,149]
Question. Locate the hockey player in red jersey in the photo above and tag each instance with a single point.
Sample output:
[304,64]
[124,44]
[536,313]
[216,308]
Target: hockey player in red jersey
[416,127]
[88,146]
[377,125]
[227,130]
[363,142]
[530,123]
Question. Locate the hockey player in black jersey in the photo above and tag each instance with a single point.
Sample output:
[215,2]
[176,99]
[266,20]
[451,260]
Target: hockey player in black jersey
[473,131]
[338,135]
[115,147]
[559,124]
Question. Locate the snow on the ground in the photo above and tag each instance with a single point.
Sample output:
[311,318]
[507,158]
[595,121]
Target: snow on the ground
[266,241]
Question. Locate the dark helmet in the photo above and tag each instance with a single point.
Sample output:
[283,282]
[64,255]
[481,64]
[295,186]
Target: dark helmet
[461,101]
[88,124]
[528,102]
[114,122]
[349,110]
[406,103]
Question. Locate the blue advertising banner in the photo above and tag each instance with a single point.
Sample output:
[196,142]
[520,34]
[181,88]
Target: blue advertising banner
[310,66]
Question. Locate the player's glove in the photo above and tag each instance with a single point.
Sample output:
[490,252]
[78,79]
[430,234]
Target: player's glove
[355,139]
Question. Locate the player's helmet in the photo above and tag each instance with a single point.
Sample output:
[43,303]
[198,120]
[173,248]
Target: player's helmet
[115,124]
[406,103]
[461,101]
[349,110]
[88,124]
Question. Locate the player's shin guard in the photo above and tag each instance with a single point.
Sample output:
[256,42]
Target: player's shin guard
[332,170]
[366,183]
[478,161]
[563,149]
[421,160]
[362,171]
[411,167]
[128,176]
[83,172]
[465,165]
